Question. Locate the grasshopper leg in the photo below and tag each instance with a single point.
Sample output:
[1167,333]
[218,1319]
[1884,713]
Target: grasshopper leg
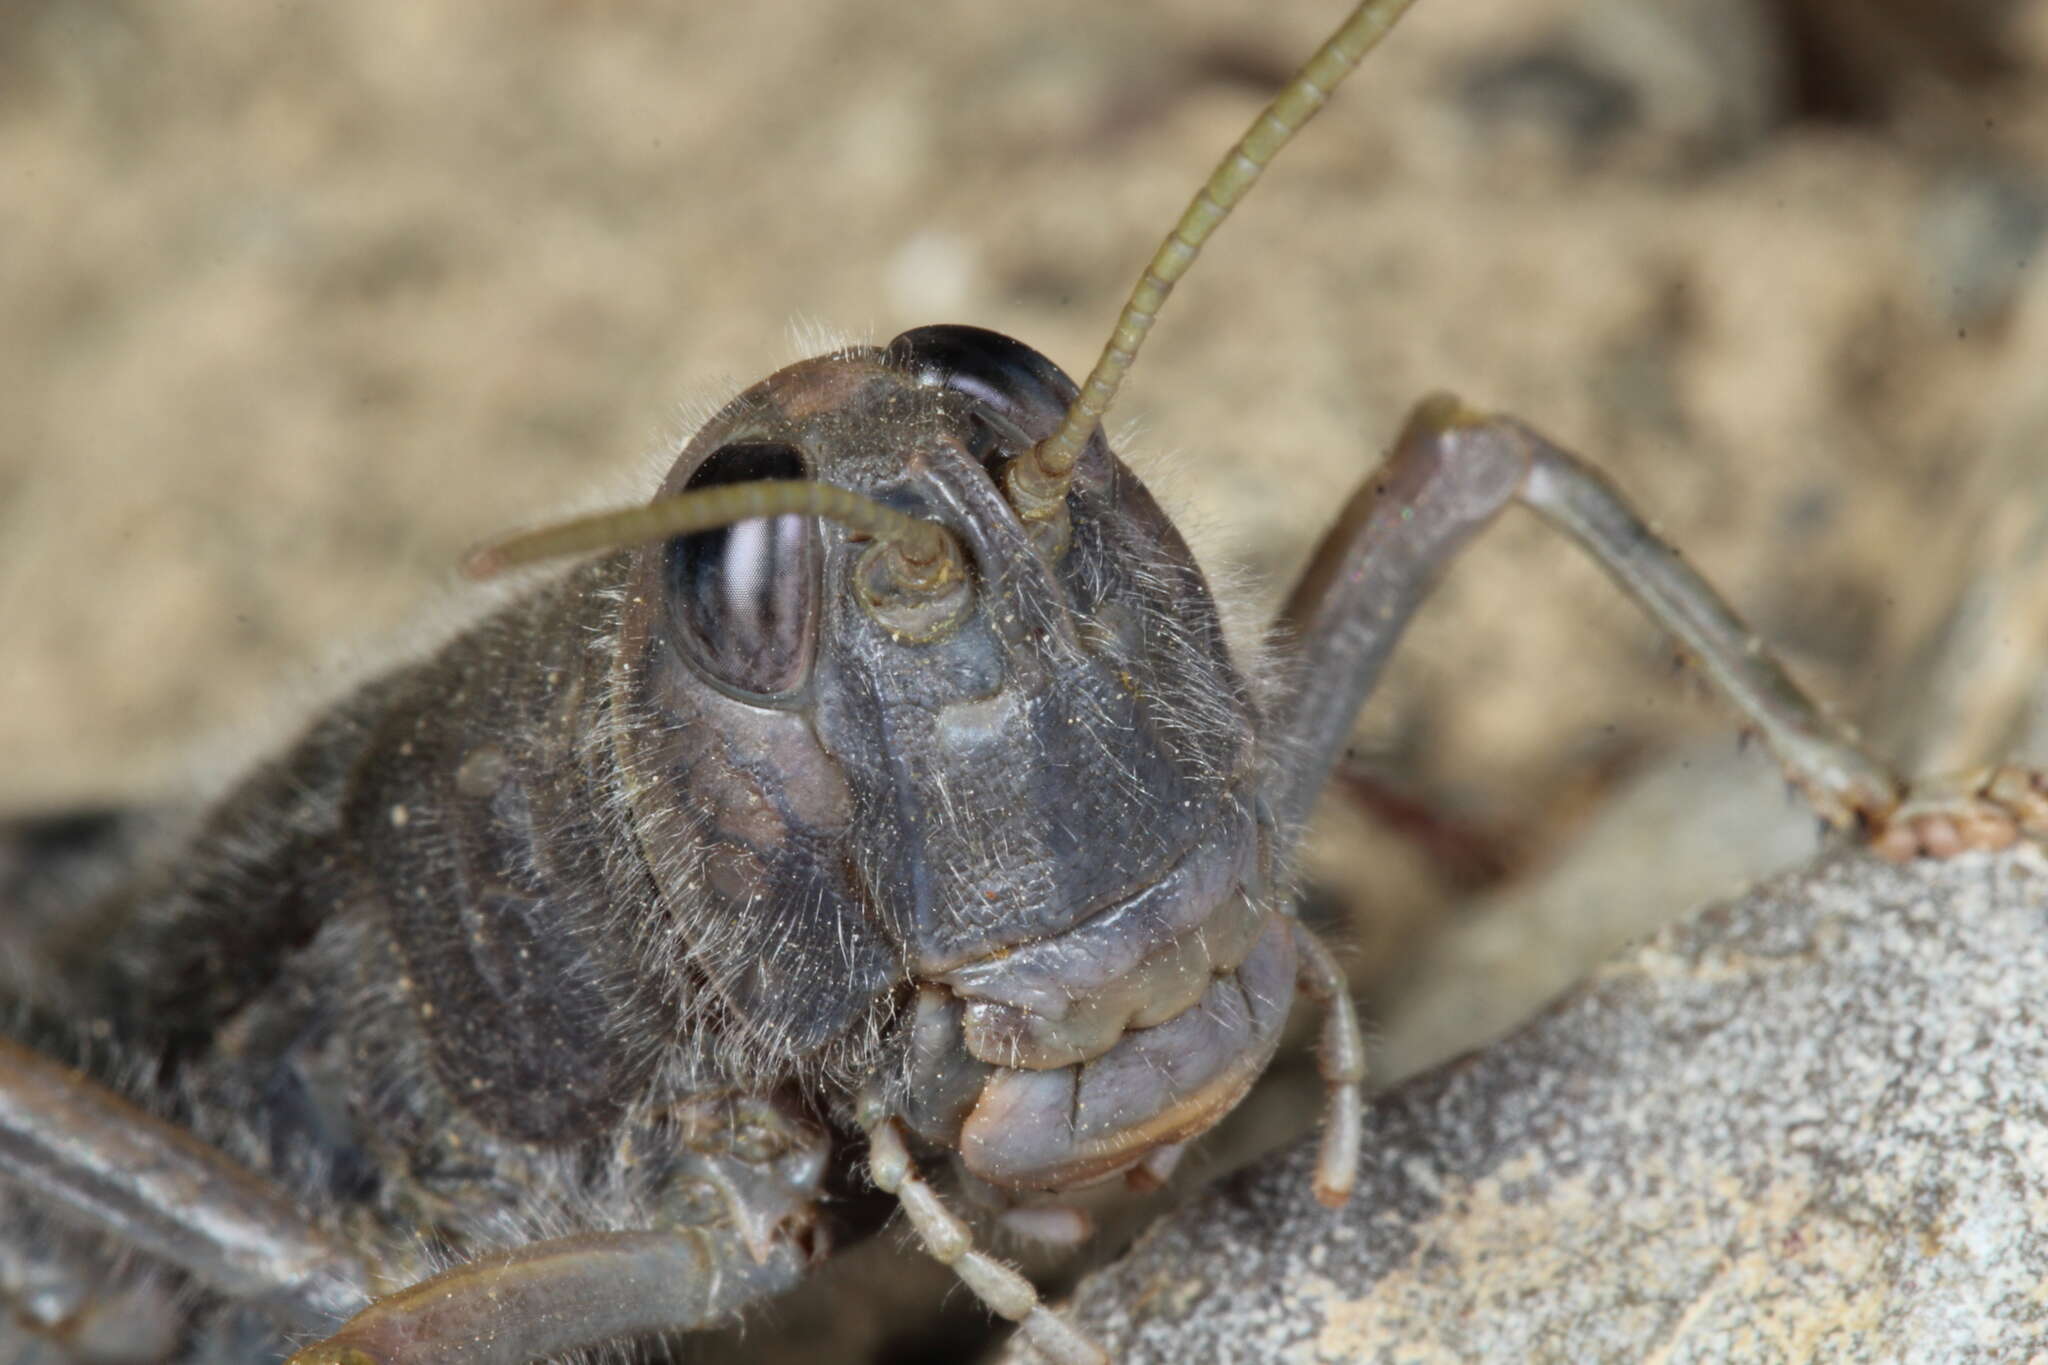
[1936,818]
[58,1294]
[1968,812]
[555,1296]
[1449,474]
[1340,1058]
[753,1153]
[1821,756]
[104,1164]
[949,1241]
[1437,489]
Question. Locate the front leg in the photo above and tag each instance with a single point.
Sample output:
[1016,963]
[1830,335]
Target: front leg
[100,1163]
[737,1224]
[1450,473]
[1968,811]
[563,1294]
[749,1178]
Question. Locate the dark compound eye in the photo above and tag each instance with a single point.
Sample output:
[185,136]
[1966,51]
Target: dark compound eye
[1007,376]
[745,597]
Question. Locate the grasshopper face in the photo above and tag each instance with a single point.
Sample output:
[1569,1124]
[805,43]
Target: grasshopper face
[1036,806]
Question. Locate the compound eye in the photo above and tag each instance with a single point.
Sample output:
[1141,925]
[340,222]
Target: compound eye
[744,598]
[1004,375]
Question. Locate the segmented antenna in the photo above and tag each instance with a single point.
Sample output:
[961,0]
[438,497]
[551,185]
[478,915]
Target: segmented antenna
[1037,480]
[927,553]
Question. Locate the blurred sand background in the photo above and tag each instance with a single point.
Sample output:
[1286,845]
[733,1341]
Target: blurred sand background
[296,301]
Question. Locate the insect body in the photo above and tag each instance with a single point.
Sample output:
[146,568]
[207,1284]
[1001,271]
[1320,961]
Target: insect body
[775,826]
[884,798]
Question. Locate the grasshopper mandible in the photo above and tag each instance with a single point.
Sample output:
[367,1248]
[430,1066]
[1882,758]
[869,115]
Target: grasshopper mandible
[891,799]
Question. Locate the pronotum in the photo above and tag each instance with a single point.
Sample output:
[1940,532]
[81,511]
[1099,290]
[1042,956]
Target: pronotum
[480,774]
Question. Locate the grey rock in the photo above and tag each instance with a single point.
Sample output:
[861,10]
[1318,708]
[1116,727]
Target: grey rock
[1809,1124]
[1701,824]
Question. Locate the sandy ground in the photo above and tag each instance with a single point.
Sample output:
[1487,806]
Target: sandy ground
[296,301]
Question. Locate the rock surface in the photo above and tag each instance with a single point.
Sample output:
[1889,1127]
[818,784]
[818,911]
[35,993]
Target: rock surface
[1810,1124]
[1704,823]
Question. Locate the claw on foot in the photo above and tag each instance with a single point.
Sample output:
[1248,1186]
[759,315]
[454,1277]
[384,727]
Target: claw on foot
[1976,813]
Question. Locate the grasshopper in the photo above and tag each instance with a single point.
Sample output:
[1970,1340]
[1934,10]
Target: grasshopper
[883,799]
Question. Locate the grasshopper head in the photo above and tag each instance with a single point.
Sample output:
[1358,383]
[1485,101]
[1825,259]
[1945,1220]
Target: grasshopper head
[1023,794]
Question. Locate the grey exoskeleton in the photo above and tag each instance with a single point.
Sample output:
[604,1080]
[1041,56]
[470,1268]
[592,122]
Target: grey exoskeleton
[881,801]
